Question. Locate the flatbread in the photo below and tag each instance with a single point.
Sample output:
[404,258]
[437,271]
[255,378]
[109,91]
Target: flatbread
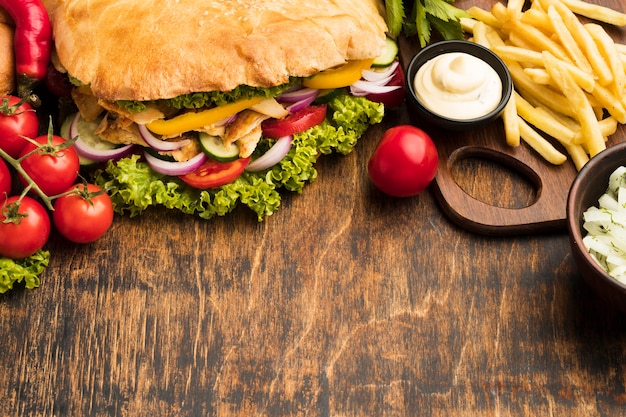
[146,49]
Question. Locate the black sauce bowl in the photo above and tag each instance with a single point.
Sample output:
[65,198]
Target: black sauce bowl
[420,113]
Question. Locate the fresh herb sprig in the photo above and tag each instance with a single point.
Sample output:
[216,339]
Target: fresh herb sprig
[420,17]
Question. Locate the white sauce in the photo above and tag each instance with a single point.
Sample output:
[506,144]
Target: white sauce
[458,86]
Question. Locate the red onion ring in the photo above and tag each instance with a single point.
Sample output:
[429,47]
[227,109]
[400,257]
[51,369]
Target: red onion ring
[299,105]
[175,168]
[272,156]
[159,144]
[87,151]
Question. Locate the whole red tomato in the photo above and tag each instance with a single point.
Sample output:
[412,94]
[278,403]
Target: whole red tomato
[84,215]
[393,98]
[5,181]
[53,169]
[24,227]
[404,162]
[17,119]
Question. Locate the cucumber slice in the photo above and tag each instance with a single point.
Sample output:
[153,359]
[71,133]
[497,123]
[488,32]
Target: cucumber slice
[85,130]
[390,52]
[214,147]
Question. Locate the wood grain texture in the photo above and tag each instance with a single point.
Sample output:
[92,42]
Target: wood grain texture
[344,303]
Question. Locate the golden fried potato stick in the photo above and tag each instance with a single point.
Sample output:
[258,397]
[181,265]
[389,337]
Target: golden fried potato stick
[510,120]
[537,38]
[593,139]
[596,12]
[567,40]
[480,34]
[500,12]
[540,144]
[578,154]
[538,19]
[607,48]
[514,8]
[543,121]
[484,16]
[610,102]
[544,95]
[583,39]
[526,56]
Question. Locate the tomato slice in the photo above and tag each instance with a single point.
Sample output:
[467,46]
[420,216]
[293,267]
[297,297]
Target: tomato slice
[214,174]
[294,123]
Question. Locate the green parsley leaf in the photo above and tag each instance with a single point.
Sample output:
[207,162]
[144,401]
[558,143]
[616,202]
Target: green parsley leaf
[425,16]
[395,16]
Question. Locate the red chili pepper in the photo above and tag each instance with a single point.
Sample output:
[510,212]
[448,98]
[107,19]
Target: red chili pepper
[33,41]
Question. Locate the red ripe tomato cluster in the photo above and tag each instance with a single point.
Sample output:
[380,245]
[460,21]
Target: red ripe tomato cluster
[37,173]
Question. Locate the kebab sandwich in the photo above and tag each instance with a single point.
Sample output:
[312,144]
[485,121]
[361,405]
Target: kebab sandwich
[200,105]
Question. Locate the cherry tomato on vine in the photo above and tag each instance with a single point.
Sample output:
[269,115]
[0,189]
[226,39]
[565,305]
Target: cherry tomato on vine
[214,174]
[404,162]
[54,170]
[16,120]
[5,181]
[84,215]
[24,227]
[393,98]
[294,123]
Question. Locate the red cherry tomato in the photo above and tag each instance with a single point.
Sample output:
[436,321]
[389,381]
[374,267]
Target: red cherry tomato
[5,181]
[294,123]
[404,162]
[28,233]
[84,216]
[214,174]
[394,98]
[55,171]
[16,120]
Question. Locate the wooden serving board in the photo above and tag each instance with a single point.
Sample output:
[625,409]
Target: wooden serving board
[551,183]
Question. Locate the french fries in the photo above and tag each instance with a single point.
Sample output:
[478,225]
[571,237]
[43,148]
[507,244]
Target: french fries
[569,76]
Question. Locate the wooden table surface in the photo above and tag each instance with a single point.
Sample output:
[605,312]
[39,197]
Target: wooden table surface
[344,303]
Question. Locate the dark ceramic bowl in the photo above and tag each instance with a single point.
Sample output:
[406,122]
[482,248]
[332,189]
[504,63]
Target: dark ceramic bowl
[590,183]
[420,113]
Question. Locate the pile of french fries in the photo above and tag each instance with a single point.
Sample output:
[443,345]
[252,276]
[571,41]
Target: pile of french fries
[569,74]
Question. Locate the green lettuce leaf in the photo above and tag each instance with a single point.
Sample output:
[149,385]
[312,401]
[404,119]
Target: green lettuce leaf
[134,187]
[27,270]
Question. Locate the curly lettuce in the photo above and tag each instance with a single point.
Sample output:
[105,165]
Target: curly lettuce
[27,270]
[134,187]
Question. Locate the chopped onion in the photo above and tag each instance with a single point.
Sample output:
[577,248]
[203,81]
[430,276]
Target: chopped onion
[175,168]
[295,95]
[272,156]
[606,227]
[97,154]
[159,144]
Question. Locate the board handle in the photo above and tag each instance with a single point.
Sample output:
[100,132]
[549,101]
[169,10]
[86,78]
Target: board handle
[545,214]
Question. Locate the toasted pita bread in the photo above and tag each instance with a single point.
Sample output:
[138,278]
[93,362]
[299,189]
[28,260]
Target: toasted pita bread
[144,50]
